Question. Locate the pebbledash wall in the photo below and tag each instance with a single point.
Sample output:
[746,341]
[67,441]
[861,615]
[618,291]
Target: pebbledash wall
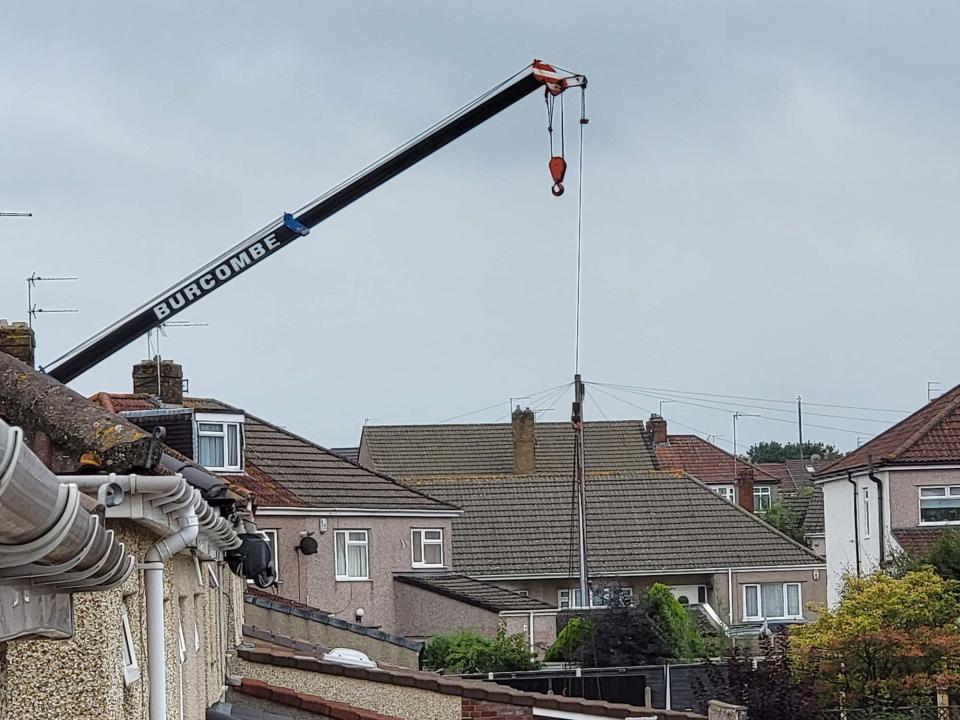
[83,678]
[311,579]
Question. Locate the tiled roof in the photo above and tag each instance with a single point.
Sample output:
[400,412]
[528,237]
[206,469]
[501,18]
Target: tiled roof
[269,492]
[806,507]
[124,402]
[413,451]
[314,705]
[283,469]
[473,592]
[319,478]
[918,541]
[347,453]
[930,435]
[703,460]
[201,404]
[639,523]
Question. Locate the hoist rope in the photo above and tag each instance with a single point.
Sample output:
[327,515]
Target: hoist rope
[579,239]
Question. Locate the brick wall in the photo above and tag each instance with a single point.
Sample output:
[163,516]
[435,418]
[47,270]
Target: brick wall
[484,710]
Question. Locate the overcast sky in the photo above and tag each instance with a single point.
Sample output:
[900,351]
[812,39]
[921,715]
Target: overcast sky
[770,204]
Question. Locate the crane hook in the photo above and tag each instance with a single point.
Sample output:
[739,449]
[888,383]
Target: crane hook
[558,168]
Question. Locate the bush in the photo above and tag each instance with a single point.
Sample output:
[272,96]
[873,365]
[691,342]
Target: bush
[677,628]
[569,640]
[777,687]
[467,652]
[622,634]
[891,641]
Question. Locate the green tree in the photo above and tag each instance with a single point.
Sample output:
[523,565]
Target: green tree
[772,451]
[890,641]
[675,624]
[467,652]
[623,633]
[785,520]
[569,640]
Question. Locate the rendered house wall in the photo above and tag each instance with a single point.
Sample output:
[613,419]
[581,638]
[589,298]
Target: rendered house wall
[82,678]
[421,614]
[314,581]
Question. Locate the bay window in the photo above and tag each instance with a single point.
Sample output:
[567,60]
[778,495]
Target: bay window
[940,505]
[772,601]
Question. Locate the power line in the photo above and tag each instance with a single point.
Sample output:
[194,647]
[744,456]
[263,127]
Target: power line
[500,404]
[759,399]
[673,398]
[686,401]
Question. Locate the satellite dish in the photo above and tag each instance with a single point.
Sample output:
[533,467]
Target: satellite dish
[307,546]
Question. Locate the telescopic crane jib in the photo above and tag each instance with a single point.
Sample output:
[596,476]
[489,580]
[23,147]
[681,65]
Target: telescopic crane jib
[281,232]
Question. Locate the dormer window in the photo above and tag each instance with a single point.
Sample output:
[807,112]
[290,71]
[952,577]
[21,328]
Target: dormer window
[220,442]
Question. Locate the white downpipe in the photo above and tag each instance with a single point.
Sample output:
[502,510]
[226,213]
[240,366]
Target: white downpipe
[165,548]
[730,593]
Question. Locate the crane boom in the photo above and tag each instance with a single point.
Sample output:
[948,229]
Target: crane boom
[283,231]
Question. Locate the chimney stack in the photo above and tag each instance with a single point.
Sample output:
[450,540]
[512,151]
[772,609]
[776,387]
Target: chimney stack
[163,378]
[745,487]
[657,427]
[17,339]
[524,442]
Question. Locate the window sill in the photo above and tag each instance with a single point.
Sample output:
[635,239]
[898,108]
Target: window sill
[421,566]
[938,523]
[352,580]
[760,621]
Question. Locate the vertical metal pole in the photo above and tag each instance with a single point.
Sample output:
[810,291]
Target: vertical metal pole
[800,424]
[579,480]
[735,483]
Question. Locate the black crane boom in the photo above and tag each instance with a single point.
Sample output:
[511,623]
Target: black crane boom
[282,232]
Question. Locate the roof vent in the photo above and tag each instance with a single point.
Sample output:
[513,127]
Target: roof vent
[346,656]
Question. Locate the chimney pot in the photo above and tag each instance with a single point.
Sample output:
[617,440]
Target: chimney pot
[163,379]
[657,427]
[17,339]
[524,442]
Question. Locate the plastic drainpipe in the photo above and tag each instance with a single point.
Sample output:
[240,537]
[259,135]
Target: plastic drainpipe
[165,548]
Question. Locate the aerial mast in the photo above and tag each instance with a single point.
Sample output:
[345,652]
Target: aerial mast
[579,480]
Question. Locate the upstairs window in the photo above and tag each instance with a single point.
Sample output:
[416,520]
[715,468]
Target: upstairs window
[866,512]
[762,498]
[219,444]
[352,560]
[725,491]
[427,548]
[940,505]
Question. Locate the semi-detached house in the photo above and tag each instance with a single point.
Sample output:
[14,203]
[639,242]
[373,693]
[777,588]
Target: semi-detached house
[644,525]
[897,493]
[353,543]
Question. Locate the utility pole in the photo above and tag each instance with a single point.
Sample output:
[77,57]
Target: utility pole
[579,479]
[800,425]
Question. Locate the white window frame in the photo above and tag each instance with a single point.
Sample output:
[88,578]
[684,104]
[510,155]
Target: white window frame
[865,521]
[131,668]
[274,539]
[762,491]
[347,543]
[418,538]
[786,602]
[949,491]
[727,492]
[565,596]
[223,420]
